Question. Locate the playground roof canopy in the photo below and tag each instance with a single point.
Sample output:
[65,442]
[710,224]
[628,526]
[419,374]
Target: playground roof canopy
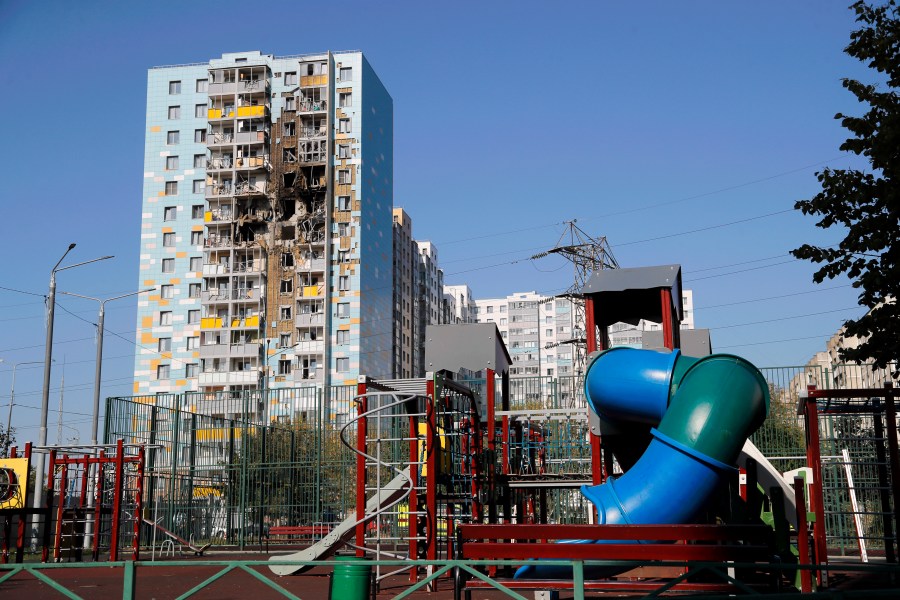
[629,295]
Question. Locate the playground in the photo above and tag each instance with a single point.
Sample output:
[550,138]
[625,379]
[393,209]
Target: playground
[655,472]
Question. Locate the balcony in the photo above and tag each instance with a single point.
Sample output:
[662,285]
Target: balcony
[310,319]
[210,323]
[251,137]
[308,375]
[219,138]
[316,264]
[228,88]
[215,295]
[313,80]
[218,215]
[214,190]
[245,323]
[312,106]
[253,85]
[313,291]
[245,188]
[215,241]
[219,163]
[311,132]
[229,378]
[252,162]
[254,110]
[310,347]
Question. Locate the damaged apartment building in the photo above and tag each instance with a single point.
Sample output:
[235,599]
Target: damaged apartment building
[266,225]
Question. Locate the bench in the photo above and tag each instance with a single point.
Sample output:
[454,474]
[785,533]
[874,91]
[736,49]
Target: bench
[289,532]
[680,546]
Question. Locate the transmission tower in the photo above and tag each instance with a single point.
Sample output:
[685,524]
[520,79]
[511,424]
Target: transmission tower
[587,254]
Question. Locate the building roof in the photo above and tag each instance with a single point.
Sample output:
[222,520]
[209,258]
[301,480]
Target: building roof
[629,295]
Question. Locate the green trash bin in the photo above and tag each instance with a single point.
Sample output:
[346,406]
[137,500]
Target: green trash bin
[351,579]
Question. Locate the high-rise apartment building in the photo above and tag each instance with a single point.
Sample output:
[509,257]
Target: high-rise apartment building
[463,303]
[257,219]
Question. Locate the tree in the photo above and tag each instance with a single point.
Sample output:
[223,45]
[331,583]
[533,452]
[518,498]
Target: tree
[7,439]
[867,202]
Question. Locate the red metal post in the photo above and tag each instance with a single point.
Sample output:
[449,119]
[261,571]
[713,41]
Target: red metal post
[117,501]
[669,320]
[413,499]
[817,502]
[361,434]
[48,505]
[890,413]
[63,486]
[98,503]
[84,482]
[802,534]
[432,445]
[491,424]
[138,505]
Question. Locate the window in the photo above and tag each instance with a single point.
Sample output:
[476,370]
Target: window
[172,138]
[199,186]
[343,256]
[284,366]
[342,365]
[343,229]
[345,100]
[193,317]
[548,332]
[171,188]
[171,163]
[344,151]
[196,264]
[344,126]
[165,344]
[200,136]
[346,73]
[169,213]
[343,203]
[193,290]
[344,283]
[285,313]
[167,292]
[165,316]
[197,211]
[196,238]
[199,161]
[162,372]
[490,309]
[290,78]
[290,103]
[502,321]
[284,340]
[174,88]
[202,86]
[191,370]
[168,265]
[344,176]
[343,309]
[193,343]
[174,112]
[343,336]
[168,240]
[287,286]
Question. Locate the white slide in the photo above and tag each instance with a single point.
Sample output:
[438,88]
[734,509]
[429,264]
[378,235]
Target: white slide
[770,477]
[388,495]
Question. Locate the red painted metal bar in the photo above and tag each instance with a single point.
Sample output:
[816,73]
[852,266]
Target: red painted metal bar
[490,385]
[84,482]
[474,462]
[361,433]
[413,500]
[890,413]
[48,505]
[117,501]
[817,501]
[669,322]
[7,522]
[138,505]
[616,532]
[20,532]
[61,503]
[590,326]
[625,551]
[98,504]
[431,461]
[802,534]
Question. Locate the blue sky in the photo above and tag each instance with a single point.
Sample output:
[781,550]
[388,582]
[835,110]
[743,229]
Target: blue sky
[683,132]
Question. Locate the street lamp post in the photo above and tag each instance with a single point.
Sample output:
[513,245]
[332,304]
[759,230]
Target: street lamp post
[99,362]
[12,397]
[265,382]
[48,358]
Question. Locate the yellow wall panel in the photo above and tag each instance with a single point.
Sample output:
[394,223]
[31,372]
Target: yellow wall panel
[181,255]
[149,282]
[156,128]
[146,322]
[147,338]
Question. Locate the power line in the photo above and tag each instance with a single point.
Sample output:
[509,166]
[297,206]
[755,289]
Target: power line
[9,289]
[709,228]
[824,312]
[772,297]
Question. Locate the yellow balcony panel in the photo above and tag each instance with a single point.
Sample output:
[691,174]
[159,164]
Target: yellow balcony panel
[251,111]
[210,323]
[314,80]
[214,113]
[311,291]
[207,216]
[235,322]
[252,321]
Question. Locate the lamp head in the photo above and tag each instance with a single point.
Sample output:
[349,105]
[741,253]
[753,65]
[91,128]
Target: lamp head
[72,245]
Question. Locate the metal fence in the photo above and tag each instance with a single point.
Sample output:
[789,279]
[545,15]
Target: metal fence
[223,475]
